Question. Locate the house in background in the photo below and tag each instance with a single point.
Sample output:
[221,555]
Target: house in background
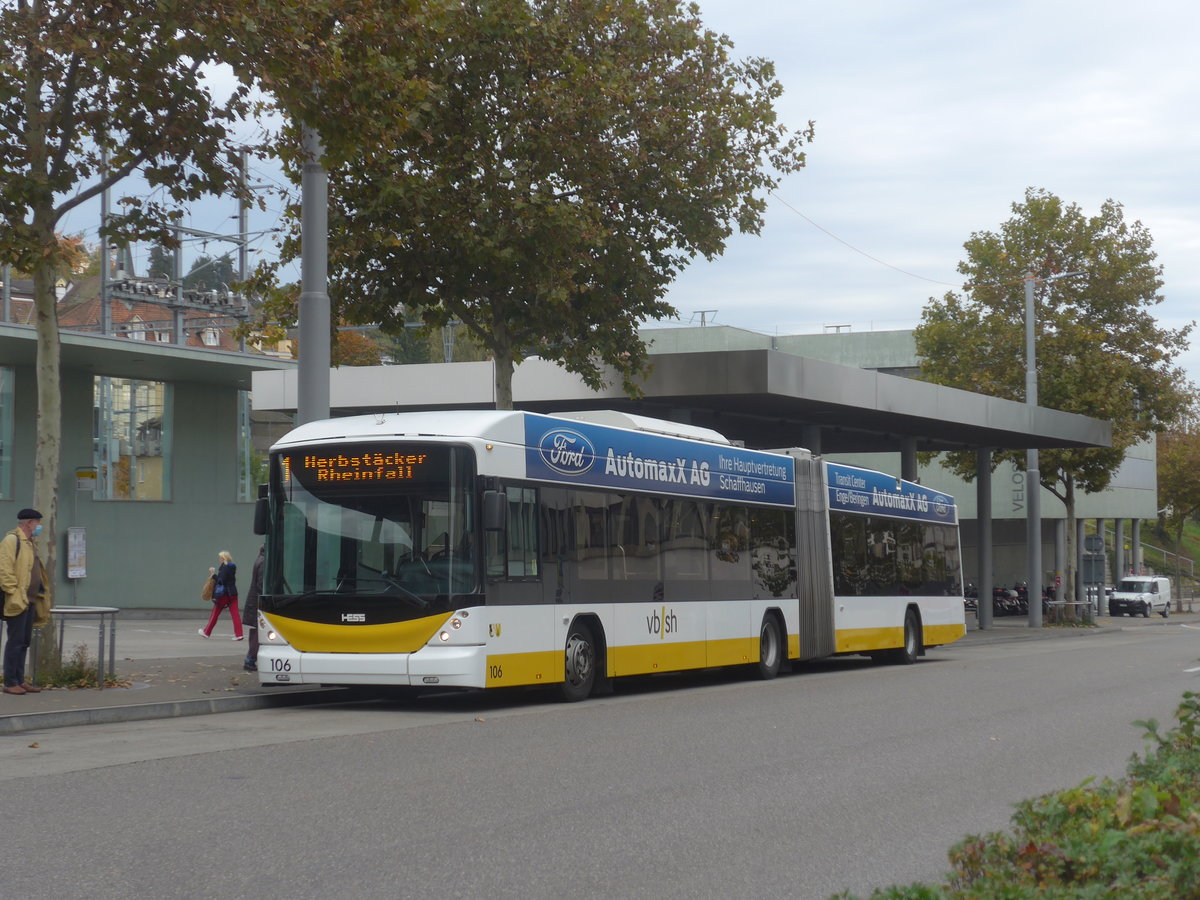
[142,310]
[16,298]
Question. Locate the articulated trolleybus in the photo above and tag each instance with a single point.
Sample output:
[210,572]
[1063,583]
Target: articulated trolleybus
[492,549]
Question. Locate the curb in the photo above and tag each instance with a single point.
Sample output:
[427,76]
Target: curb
[107,715]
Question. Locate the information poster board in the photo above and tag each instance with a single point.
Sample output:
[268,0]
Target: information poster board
[76,553]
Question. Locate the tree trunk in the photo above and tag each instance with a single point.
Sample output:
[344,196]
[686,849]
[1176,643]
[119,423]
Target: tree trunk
[49,394]
[49,432]
[502,362]
[503,365]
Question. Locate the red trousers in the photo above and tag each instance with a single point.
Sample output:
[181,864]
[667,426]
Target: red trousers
[230,602]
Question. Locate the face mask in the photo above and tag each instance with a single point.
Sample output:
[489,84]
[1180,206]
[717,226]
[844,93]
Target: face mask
[36,531]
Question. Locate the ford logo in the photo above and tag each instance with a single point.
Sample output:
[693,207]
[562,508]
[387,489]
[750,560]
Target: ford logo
[566,452]
[941,505]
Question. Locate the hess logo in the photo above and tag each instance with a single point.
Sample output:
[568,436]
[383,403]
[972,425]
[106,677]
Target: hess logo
[566,452]
[354,617]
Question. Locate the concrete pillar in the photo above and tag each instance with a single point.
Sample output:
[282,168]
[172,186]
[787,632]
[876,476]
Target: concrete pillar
[908,459]
[811,435]
[1060,556]
[1136,541]
[1120,565]
[983,549]
[1080,594]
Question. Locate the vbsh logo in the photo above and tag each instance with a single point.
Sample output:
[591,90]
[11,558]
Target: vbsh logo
[662,623]
[566,452]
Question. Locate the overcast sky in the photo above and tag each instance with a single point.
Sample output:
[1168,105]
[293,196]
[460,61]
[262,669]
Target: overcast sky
[932,118]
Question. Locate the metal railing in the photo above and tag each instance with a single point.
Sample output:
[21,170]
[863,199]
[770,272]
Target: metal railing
[101,613]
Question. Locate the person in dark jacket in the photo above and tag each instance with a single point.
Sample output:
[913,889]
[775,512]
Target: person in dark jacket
[250,610]
[225,596]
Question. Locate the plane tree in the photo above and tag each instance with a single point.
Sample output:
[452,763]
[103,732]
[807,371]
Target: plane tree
[1178,461]
[1100,350]
[92,94]
[89,94]
[568,161]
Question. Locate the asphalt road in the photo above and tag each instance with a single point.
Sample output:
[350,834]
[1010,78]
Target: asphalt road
[844,775]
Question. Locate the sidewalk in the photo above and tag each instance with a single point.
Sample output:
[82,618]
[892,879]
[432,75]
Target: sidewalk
[174,672]
[1016,628]
[171,669]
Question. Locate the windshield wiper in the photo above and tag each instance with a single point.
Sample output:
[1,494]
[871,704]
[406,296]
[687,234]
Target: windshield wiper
[280,601]
[391,582]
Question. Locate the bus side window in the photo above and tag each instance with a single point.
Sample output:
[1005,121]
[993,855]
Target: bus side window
[590,510]
[513,553]
[522,533]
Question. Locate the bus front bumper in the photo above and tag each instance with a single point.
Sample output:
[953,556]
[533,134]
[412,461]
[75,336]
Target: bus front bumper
[429,666]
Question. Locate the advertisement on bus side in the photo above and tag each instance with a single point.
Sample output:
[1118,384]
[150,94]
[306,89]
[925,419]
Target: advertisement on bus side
[585,454]
[862,491]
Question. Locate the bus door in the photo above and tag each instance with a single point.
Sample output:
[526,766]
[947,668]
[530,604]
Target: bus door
[511,563]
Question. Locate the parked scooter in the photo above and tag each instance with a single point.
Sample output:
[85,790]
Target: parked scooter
[1004,602]
[971,598]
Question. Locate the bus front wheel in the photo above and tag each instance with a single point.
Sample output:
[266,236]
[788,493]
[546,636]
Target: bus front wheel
[907,655]
[770,648]
[579,663]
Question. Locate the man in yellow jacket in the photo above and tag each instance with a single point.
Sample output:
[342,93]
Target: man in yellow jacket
[26,598]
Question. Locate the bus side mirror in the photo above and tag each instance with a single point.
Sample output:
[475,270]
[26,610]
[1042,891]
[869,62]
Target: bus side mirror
[262,515]
[495,510]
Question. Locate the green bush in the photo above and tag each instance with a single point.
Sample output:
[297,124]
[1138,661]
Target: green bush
[1133,839]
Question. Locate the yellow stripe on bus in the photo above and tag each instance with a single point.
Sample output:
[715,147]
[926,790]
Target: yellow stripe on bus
[394,637]
[513,669]
[645,659]
[936,635]
[863,640]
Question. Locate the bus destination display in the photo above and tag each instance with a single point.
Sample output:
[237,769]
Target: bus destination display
[360,465]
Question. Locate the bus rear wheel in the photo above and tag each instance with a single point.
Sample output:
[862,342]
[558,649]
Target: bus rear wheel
[770,648]
[579,663]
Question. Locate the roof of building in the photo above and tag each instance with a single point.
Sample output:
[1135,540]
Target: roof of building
[763,398]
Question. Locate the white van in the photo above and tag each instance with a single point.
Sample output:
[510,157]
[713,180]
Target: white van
[1141,595]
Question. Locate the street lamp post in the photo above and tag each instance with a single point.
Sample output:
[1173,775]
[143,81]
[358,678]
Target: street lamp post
[1033,487]
[312,378]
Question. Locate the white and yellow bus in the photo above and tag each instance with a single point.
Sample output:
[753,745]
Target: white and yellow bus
[492,549]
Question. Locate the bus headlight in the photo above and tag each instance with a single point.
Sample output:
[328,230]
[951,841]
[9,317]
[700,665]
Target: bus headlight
[445,636]
[456,623]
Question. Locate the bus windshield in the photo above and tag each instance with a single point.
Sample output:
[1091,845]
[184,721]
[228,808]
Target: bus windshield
[387,526]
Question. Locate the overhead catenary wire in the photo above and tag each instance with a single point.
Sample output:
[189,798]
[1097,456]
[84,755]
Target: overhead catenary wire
[959,285]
